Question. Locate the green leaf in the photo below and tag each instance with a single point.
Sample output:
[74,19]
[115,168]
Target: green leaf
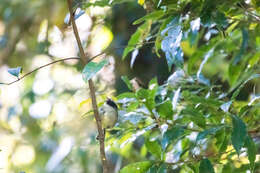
[154,16]
[92,68]
[171,135]
[195,116]
[163,168]
[235,94]
[127,82]
[126,95]
[159,38]
[171,43]
[147,96]
[137,38]
[154,148]
[251,152]
[207,132]
[153,169]
[15,71]
[235,67]
[206,166]
[238,134]
[165,109]
[132,106]
[138,167]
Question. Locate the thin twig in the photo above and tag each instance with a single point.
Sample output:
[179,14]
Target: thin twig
[255,16]
[92,92]
[71,58]
[38,68]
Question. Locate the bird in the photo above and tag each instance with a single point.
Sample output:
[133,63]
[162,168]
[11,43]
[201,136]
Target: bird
[108,113]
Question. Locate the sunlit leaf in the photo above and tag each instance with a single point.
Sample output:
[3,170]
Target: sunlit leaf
[205,59]
[133,57]
[171,43]
[154,148]
[15,71]
[171,135]
[225,106]
[206,166]
[127,82]
[141,2]
[138,167]
[137,38]
[176,98]
[239,133]
[87,101]
[153,15]
[195,26]
[165,109]
[92,68]
[126,95]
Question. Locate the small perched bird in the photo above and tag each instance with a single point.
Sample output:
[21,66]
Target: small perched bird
[108,114]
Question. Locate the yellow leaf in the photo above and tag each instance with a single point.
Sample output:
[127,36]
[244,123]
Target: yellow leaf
[141,2]
[87,101]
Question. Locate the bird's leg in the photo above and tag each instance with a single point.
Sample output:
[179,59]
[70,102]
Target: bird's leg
[104,132]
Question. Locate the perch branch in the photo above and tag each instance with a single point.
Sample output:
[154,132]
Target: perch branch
[92,92]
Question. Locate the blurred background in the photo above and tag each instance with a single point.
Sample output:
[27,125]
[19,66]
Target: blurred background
[43,122]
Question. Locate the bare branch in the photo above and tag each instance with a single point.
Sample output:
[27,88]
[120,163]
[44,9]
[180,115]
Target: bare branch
[38,68]
[92,92]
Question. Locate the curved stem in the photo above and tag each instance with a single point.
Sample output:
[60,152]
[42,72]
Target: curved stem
[38,68]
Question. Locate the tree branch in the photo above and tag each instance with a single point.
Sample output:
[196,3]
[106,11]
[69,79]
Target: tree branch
[92,92]
[38,68]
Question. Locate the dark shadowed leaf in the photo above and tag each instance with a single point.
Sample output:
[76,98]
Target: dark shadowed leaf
[153,169]
[210,131]
[127,82]
[138,167]
[238,134]
[235,67]
[163,168]
[15,71]
[237,91]
[251,152]
[92,68]
[206,166]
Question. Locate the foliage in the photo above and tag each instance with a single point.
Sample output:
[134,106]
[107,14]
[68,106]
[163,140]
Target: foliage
[204,118]
[219,32]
